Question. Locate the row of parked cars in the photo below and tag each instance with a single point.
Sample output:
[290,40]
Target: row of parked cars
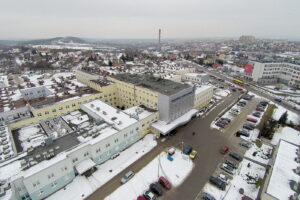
[155,190]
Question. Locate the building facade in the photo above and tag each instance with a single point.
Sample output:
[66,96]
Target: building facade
[275,72]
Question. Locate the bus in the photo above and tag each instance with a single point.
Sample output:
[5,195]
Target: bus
[237,81]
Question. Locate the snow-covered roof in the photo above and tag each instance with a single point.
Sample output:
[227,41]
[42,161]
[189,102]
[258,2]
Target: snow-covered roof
[109,114]
[165,128]
[84,166]
[282,172]
[288,134]
[138,112]
[202,88]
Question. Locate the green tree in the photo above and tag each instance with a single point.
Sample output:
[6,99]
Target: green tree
[283,118]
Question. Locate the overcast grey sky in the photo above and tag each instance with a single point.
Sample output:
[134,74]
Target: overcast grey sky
[142,18]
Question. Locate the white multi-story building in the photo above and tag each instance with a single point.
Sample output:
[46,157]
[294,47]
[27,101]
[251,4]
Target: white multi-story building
[196,78]
[116,130]
[275,72]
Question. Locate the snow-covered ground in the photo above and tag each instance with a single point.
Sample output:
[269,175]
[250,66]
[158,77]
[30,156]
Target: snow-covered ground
[81,186]
[286,133]
[261,155]
[245,178]
[292,117]
[175,171]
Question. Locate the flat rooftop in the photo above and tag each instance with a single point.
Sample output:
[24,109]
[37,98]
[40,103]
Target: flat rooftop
[108,114]
[102,82]
[160,85]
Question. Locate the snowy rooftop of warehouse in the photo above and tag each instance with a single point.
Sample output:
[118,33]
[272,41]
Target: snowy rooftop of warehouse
[288,134]
[139,112]
[282,172]
[202,88]
[195,74]
[165,128]
[109,114]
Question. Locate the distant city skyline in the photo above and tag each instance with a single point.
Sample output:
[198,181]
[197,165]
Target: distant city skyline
[141,19]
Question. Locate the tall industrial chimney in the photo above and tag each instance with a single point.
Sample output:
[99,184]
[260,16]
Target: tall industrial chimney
[159,35]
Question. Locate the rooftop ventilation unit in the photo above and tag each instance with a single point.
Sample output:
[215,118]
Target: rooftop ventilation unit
[113,118]
[92,105]
[104,113]
[98,109]
[120,122]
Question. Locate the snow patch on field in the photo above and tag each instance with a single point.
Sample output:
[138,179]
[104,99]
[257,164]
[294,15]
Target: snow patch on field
[175,171]
[292,117]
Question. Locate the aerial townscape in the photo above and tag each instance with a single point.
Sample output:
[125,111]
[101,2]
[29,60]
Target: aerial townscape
[165,118]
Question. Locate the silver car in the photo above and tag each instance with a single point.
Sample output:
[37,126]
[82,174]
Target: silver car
[127,177]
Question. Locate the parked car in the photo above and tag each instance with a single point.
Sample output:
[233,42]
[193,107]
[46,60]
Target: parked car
[243,133]
[224,149]
[223,122]
[193,154]
[227,168]
[233,90]
[236,156]
[220,125]
[251,120]
[225,119]
[296,108]
[217,182]
[240,104]
[207,196]
[231,163]
[248,97]
[225,178]
[278,100]
[127,177]
[171,151]
[141,198]
[149,195]
[245,144]
[249,126]
[264,103]
[187,149]
[256,114]
[260,109]
[164,182]
[156,189]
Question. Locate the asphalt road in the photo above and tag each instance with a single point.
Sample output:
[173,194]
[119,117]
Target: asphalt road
[206,141]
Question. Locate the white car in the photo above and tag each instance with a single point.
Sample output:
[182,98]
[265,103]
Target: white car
[127,177]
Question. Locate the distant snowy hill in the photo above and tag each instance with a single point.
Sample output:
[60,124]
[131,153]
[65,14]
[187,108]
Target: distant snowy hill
[55,41]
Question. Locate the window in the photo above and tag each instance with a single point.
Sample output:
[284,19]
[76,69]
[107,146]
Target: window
[73,105]
[40,114]
[54,110]
[67,106]
[107,145]
[125,135]
[60,108]
[98,150]
[116,140]
[86,154]
[46,113]
[74,160]
[41,192]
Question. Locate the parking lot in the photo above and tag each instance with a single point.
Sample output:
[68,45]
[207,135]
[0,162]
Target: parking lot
[225,168]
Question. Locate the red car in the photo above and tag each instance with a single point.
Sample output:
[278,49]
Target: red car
[224,150]
[251,120]
[141,198]
[164,182]
[240,89]
[260,109]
